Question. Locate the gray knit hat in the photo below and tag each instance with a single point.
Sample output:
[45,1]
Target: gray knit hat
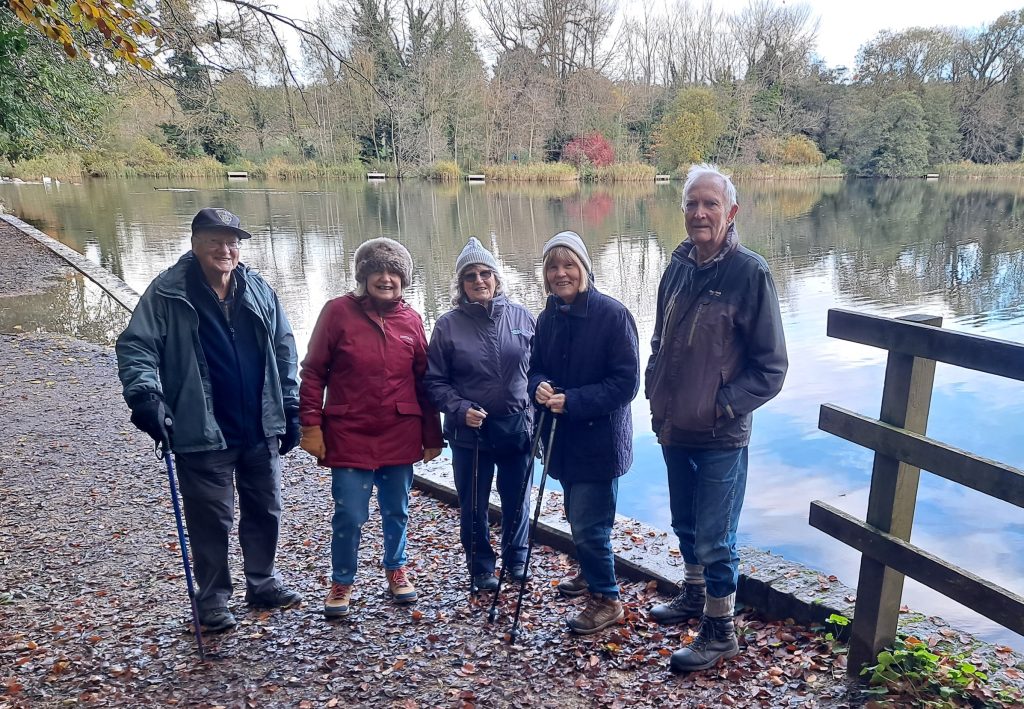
[474,252]
[382,254]
[572,241]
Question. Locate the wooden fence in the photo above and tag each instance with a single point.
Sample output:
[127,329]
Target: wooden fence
[915,343]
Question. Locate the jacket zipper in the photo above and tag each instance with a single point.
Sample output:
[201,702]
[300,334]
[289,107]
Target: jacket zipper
[693,327]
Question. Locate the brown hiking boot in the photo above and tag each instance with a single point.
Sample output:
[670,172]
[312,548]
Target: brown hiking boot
[600,612]
[338,600]
[576,586]
[400,586]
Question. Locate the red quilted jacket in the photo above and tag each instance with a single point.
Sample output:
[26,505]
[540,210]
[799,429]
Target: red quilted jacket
[371,366]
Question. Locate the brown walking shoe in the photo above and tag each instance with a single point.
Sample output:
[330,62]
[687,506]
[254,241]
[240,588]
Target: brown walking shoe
[575,586]
[400,586]
[600,612]
[338,600]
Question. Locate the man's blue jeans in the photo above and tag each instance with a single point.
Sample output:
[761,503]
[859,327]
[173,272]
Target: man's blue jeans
[590,508]
[512,471]
[351,490]
[705,490]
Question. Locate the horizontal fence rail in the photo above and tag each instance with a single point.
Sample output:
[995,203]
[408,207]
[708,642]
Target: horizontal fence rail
[982,354]
[990,600]
[998,480]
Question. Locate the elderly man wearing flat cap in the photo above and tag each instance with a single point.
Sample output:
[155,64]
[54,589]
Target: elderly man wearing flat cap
[208,365]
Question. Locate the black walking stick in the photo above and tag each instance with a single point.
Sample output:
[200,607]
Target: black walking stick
[162,452]
[523,492]
[533,528]
[473,589]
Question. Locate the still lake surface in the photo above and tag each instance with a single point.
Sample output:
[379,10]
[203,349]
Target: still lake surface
[954,249]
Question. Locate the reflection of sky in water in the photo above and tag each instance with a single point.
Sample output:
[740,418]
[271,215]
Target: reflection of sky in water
[889,248]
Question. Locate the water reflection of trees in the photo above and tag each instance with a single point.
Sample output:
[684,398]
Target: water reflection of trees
[884,242]
[75,307]
[898,242]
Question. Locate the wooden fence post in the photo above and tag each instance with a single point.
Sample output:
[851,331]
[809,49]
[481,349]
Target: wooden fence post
[906,399]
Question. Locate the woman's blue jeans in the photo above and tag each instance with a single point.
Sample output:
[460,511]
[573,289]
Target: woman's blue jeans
[351,490]
[590,509]
[705,489]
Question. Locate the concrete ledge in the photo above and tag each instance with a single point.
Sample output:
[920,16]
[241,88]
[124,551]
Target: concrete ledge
[768,582]
[118,289]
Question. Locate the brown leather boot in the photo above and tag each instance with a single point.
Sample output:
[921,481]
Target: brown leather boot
[600,612]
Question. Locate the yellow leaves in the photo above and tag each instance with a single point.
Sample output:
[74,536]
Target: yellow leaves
[125,31]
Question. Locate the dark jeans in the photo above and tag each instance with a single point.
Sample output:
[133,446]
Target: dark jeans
[512,471]
[705,490]
[590,508]
[207,481]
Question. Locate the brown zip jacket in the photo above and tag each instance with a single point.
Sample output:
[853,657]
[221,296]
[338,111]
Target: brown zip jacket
[718,350]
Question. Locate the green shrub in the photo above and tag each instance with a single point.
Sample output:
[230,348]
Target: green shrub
[63,166]
[912,670]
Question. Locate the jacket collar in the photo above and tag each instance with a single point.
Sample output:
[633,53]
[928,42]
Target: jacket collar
[367,306]
[686,250]
[578,308]
[476,310]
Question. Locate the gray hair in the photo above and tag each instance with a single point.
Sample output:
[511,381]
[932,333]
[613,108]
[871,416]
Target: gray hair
[458,292]
[704,169]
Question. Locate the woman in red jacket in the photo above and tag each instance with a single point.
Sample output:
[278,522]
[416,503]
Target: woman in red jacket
[368,353]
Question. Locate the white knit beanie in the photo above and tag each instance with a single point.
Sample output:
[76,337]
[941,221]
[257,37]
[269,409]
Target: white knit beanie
[572,241]
[474,252]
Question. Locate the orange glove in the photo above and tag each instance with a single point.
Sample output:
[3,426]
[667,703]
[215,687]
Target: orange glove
[313,442]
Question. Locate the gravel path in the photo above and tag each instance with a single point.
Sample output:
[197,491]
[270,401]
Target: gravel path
[93,608]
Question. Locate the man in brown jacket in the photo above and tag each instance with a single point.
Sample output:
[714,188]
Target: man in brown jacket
[718,353]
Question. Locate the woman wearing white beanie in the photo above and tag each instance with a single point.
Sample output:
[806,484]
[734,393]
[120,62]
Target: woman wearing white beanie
[585,368]
[476,375]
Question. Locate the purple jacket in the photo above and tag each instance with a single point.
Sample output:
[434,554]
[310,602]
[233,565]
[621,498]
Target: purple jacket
[479,358]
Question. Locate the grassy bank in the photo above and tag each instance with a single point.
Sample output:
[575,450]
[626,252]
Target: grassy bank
[148,160]
[829,169]
[1007,171]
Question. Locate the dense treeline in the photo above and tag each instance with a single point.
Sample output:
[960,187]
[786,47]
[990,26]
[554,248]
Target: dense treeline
[438,86]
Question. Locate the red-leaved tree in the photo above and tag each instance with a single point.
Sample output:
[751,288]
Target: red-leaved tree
[591,148]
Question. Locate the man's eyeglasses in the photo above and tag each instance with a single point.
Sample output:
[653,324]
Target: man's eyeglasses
[473,275]
[232,244]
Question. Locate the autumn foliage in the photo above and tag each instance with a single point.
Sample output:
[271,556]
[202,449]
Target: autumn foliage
[592,148]
[125,31]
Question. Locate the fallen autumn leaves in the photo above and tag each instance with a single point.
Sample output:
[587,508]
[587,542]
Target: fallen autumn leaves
[93,608]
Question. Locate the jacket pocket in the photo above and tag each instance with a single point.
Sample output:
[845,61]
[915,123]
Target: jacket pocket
[593,439]
[408,408]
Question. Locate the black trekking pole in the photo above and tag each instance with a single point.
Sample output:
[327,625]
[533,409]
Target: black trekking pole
[533,528]
[523,492]
[473,588]
[163,453]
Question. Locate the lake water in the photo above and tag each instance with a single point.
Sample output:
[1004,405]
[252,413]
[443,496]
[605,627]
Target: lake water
[954,249]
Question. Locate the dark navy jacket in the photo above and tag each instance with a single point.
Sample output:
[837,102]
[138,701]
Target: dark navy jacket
[589,350]
[234,357]
[479,357]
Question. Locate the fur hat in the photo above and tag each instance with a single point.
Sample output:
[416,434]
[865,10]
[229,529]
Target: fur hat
[382,254]
[572,241]
[474,252]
